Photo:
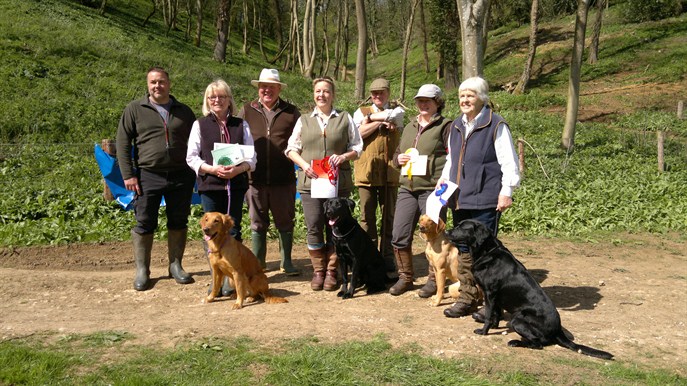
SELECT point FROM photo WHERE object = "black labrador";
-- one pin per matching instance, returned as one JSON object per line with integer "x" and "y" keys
{"x": 507, "y": 285}
{"x": 355, "y": 250}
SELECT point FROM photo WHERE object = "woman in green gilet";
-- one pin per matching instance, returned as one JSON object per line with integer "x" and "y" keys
{"x": 326, "y": 132}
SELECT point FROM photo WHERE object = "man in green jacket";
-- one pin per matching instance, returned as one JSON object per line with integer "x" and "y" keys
{"x": 151, "y": 151}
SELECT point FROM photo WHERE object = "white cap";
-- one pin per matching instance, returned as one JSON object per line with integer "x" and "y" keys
{"x": 429, "y": 91}
{"x": 268, "y": 75}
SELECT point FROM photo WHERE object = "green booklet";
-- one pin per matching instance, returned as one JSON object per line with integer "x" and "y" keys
{"x": 228, "y": 155}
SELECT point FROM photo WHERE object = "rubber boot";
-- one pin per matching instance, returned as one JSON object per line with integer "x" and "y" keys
{"x": 176, "y": 243}
{"x": 404, "y": 261}
{"x": 317, "y": 257}
{"x": 331, "y": 280}
{"x": 430, "y": 288}
{"x": 285, "y": 247}
{"x": 143, "y": 246}
{"x": 258, "y": 242}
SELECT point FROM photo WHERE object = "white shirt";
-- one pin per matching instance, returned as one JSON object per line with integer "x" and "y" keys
{"x": 193, "y": 151}
{"x": 505, "y": 155}
{"x": 355, "y": 141}
{"x": 395, "y": 115}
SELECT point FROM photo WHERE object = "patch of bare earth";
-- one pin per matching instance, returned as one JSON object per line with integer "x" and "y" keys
{"x": 626, "y": 297}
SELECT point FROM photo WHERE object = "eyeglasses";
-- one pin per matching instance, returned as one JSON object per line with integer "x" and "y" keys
{"x": 217, "y": 97}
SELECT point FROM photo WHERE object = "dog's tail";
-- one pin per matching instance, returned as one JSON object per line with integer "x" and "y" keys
{"x": 563, "y": 341}
{"x": 273, "y": 299}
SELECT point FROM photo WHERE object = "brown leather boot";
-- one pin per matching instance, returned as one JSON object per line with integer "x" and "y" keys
{"x": 430, "y": 288}
{"x": 317, "y": 257}
{"x": 460, "y": 309}
{"x": 331, "y": 280}
{"x": 404, "y": 262}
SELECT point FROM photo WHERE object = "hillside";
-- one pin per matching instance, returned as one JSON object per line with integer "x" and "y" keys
{"x": 71, "y": 70}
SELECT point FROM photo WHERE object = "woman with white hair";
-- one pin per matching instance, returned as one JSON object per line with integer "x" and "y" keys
{"x": 482, "y": 161}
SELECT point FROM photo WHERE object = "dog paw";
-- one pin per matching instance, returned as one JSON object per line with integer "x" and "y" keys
{"x": 347, "y": 296}
{"x": 434, "y": 301}
{"x": 236, "y": 306}
{"x": 514, "y": 343}
{"x": 480, "y": 331}
{"x": 209, "y": 299}
{"x": 340, "y": 294}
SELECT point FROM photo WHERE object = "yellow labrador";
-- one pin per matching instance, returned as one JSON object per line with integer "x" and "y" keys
{"x": 442, "y": 255}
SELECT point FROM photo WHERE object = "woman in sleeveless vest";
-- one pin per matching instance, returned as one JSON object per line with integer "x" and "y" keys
{"x": 326, "y": 132}
{"x": 221, "y": 187}
{"x": 482, "y": 161}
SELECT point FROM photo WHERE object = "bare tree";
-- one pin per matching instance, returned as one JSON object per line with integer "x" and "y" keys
{"x": 423, "y": 27}
{"x": 200, "y": 5}
{"x": 151, "y": 13}
{"x": 278, "y": 25}
{"x": 596, "y": 32}
{"x": 294, "y": 38}
{"x": 532, "y": 49}
{"x": 103, "y": 5}
{"x": 361, "y": 58}
{"x": 245, "y": 49}
{"x": 371, "y": 17}
{"x": 473, "y": 31}
{"x": 309, "y": 47}
{"x": 324, "y": 61}
{"x": 223, "y": 8}
{"x": 445, "y": 12}
{"x": 346, "y": 37}
{"x": 568, "y": 139}
{"x": 406, "y": 47}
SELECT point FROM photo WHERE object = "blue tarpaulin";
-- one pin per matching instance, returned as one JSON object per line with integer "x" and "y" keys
{"x": 114, "y": 180}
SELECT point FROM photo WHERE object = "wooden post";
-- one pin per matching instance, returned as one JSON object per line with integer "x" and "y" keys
{"x": 521, "y": 156}
{"x": 680, "y": 109}
{"x": 661, "y": 136}
{"x": 108, "y": 146}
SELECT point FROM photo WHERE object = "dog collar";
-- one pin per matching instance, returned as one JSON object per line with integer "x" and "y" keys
{"x": 342, "y": 236}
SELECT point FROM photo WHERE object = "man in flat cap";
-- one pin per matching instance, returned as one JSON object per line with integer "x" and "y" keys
{"x": 375, "y": 176}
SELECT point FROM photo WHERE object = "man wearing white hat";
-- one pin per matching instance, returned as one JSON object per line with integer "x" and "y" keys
{"x": 273, "y": 183}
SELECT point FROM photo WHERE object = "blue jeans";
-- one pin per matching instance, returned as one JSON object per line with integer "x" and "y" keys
{"x": 489, "y": 217}
{"x": 218, "y": 201}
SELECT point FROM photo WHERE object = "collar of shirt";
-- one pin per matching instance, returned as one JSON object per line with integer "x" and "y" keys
{"x": 469, "y": 126}
{"x": 262, "y": 105}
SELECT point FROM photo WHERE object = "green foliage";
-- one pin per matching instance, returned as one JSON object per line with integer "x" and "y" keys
{"x": 305, "y": 361}
{"x": 636, "y": 11}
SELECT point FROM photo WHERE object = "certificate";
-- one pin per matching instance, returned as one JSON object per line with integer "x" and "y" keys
{"x": 326, "y": 185}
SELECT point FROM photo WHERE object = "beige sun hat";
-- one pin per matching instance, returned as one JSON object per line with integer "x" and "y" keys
{"x": 268, "y": 75}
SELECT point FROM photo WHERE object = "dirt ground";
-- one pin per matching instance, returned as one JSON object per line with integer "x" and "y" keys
{"x": 626, "y": 296}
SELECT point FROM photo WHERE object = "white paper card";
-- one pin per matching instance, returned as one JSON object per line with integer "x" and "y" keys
{"x": 416, "y": 168}
{"x": 438, "y": 199}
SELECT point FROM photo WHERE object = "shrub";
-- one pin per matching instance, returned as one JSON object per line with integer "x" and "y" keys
{"x": 635, "y": 11}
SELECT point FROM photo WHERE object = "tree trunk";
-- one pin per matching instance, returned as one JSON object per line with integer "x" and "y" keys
{"x": 337, "y": 41}
{"x": 473, "y": 28}
{"x": 309, "y": 47}
{"x": 568, "y": 139}
{"x": 346, "y": 36}
{"x": 244, "y": 49}
{"x": 223, "y": 8}
{"x": 324, "y": 62}
{"x": 596, "y": 32}
{"x": 361, "y": 59}
{"x": 532, "y": 49}
{"x": 260, "y": 16}
{"x": 406, "y": 47}
{"x": 371, "y": 27}
{"x": 103, "y": 5}
{"x": 278, "y": 25}
{"x": 150, "y": 14}
{"x": 423, "y": 26}
{"x": 199, "y": 22}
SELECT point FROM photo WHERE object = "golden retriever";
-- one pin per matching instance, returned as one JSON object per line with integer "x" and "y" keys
{"x": 231, "y": 258}
{"x": 442, "y": 255}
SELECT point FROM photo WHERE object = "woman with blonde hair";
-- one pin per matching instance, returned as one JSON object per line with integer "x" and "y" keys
{"x": 325, "y": 133}
{"x": 221, "y": 187}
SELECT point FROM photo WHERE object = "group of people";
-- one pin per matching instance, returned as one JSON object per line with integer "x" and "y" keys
{"x": 163, "y": 150}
